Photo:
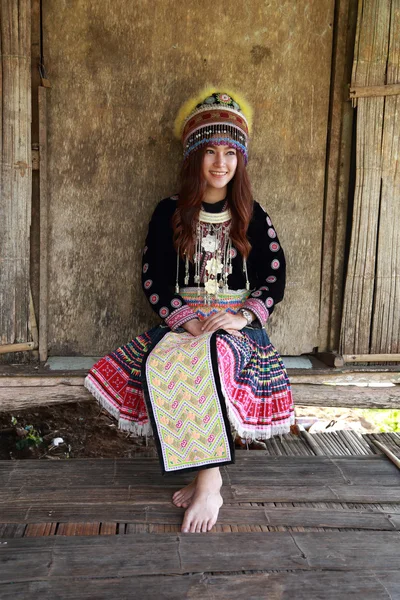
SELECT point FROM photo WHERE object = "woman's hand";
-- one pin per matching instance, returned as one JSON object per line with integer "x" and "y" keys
{"x": 193, "y": 327}
{"x": 223, "y": 320}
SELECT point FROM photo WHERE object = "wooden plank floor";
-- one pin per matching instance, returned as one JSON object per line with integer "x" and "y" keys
{"x": 293, "y": 525}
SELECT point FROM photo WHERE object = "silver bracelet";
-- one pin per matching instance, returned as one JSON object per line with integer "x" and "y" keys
{"x": 247, "y": 315}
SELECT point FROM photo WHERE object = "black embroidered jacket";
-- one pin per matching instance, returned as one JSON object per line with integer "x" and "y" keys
{"x": 266, "y": 266}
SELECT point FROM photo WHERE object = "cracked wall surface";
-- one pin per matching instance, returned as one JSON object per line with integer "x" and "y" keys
{"x": 119, "y": 72}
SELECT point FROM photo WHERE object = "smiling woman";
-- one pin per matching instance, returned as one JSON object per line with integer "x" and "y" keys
{"x": 213, "y": 271}
{"x": 219, "y": 166}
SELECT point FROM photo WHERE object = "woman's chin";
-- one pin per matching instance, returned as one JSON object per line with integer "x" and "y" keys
{"x": 218, "y": 183}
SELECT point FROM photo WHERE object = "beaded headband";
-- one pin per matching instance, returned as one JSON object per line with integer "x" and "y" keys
{"x": 214, "y": 118}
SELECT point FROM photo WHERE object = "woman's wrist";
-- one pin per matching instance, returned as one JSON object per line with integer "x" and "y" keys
{"x": 193, "y": 326}
{"x": 248, "y": 315}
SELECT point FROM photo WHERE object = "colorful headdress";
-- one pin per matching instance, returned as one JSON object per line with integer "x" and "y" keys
{"x": 214, "y": 118}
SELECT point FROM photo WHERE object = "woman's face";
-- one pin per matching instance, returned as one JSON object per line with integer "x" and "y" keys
{"x": 219, "y": 165}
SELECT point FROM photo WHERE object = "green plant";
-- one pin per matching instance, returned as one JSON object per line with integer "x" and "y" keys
{"x": 29, "y": 435}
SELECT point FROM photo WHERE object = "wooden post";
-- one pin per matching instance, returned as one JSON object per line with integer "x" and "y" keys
{"x": 337, "y": 176}
{"x": 43, "y": 293}
{"x": 15, "y": 170}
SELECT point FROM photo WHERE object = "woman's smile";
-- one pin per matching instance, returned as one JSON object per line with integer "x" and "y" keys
{"x": 219, "y": 167}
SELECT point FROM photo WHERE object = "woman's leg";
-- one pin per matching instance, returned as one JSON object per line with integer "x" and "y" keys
{"x": 202, "y": 512}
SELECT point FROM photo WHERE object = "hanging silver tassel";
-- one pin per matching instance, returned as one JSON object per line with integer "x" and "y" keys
{"x": 187, "y": 270}
{"x": 247, "y": 277}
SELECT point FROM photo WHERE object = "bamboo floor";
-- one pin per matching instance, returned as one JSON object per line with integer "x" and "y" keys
{"x": 301, "y": 519}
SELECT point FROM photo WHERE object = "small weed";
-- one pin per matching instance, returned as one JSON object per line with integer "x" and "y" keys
{"x": 29, "y": 436}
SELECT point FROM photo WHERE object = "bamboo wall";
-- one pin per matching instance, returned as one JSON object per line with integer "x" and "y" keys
{"x": 371, "y": 312}
{"x": 119, "y": 72}
{"x": 15, "y": 169}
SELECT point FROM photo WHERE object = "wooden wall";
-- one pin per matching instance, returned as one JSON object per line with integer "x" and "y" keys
{"x": 15, "y": 169}
{"x": 119, "y": 72}
{"x": 371, "y": 312}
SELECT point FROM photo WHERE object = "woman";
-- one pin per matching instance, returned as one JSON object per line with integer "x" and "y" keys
{"x": 213, "y": 270}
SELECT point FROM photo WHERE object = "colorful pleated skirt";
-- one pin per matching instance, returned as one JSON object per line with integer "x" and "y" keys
{"x": 191, "y": 393}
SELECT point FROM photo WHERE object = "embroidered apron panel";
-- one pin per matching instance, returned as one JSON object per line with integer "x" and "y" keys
{"x": 185, "y": 403}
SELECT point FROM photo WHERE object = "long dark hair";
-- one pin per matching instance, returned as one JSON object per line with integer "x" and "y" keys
{"x": 191, "y": 194}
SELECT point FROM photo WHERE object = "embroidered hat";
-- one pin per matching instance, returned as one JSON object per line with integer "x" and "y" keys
{"x": 214, "y": 118}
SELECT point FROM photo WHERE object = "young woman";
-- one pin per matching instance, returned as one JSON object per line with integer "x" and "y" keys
{"x": 213, "y": 270}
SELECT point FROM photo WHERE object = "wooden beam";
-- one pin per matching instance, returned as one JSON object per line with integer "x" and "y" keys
{"x": 25, "y": 346}
{"x": 354, "y": 358}
{"x": 372, "y": 91}
{"x": 104, "y": 556}
{"x": 395, "y": 459}
{"x": 375, "y": 585}
{"x": 18, "y": 393}
{"x": 349, "y": 396}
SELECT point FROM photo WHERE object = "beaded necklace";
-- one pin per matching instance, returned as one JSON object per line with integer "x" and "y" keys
{"x": 213, "y": 255}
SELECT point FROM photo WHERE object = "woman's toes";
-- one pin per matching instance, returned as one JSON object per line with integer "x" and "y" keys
{"x": 185, "y": 525}
{"x": 204, "y": 526}
{"x": 193, "y": 527}
{"x": 210, "y": 525}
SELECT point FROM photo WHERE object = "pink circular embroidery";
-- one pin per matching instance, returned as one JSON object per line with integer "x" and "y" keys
{"x": 163, "y": 312}
{"x": 145, "y": 267}
{"x": 275, "y": 264}
{"x": 269, "y": 221}
{"x": 145, "y": 249}
{"x": 256, "y": 294}
{"x": 271, "y": 232}
{"x": 147, "y": 284}
{"x": 274, "y": 246}
{"x": 233, "y": 252}
{"x": 176, "y": 303}
{"x": 271, "y": 279}
{"x": 264, "y": 287}
{"x": 154, "y": 298}
{"x": 269, "y": 302}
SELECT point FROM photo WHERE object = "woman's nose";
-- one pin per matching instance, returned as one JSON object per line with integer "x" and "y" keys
{"x": 219, "y": 159}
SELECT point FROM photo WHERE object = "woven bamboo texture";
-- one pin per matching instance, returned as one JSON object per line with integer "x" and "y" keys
{"x": 370, "y": 321}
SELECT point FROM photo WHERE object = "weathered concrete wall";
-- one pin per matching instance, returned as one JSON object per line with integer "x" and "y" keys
{"x": 119, "y": 72}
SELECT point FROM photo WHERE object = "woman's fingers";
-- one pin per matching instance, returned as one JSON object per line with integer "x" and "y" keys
{"x": 212, "y": 323}
{"x": 222, "y": 320}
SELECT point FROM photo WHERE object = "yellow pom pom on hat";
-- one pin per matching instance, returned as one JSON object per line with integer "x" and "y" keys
{"x": 214, "y": 118}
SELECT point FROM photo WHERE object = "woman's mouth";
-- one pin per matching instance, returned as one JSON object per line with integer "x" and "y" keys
{"x": 219, "y": 173}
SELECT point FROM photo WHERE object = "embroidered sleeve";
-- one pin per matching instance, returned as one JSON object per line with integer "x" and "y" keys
{"x": 159, "y": 269}
{"x": 271, "y": 269}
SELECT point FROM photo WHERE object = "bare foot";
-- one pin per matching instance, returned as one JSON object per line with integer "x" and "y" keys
{"x": 183, "y": 497}
{"x": 203, "y": 510}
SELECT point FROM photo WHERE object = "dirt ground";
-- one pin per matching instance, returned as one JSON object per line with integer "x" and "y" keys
{"x": 88, "y": 431}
